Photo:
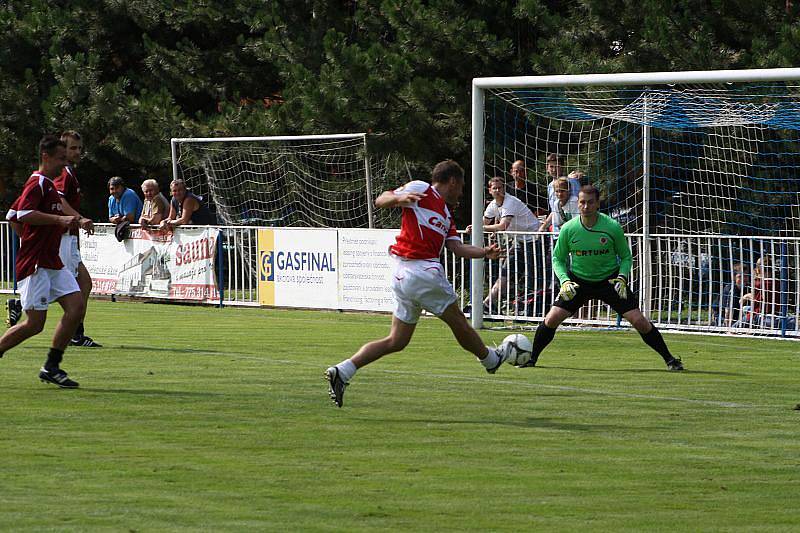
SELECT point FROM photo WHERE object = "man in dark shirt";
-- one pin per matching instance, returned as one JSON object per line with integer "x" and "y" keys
{"x": 521, "y": 189}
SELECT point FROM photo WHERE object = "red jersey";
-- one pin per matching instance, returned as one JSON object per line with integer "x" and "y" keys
{"x": 425, "y": 225}
{"x": 68, "y": 187}
{"x": 763, "y": 295}
{"x": 39, "y": 245}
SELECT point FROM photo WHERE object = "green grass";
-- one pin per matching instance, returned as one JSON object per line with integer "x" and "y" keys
{"x": 203, "y": 419}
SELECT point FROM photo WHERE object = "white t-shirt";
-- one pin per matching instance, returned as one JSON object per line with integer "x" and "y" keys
{"x": 521, "y": 218}
{"x": 564, "y": 213}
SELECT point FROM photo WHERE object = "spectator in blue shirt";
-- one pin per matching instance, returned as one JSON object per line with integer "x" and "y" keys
{"x": 123, "y": 203}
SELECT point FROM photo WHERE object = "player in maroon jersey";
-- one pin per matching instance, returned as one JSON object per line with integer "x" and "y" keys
{"x": 70, "y": 189}
{"x": 419, "y": 281}
{"x": 41, "y": 275}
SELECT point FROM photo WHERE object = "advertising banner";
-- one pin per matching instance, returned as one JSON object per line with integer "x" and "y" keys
{"x": 155, "y": 264}
{"x": 365, "y": 269}
{"x": 298, "y": 268}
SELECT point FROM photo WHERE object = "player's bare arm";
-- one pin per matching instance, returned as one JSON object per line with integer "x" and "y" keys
{"x": 84, "y": 223}
{"x": 37, "y": 218}
{"x": 392, "y": 199}
{"x": 492, "y": 251}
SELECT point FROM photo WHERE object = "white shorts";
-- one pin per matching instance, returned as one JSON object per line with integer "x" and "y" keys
{"x": 420, "y": 284}
{"x": 45, "y": 286}
{"x": 69, "y": 253}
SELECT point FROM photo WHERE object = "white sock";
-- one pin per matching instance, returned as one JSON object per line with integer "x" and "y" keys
{"x": 491, "y": 359}
{"x": 346, "y": 370}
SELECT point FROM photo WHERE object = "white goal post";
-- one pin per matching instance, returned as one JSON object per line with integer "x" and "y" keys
{"x": 679, "y": 157}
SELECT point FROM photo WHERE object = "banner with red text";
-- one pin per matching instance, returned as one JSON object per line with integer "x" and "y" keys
{"x": 154, "y": 264}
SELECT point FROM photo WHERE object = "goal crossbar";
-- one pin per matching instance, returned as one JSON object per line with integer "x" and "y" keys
{"x": 275, "y": 138}
{"x": 639, "y": 78}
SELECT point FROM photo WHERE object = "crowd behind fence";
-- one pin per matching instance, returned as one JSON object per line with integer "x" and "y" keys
{"x": 700, "y": 283}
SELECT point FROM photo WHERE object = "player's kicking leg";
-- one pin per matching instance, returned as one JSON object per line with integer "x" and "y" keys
{"x": 340, "y": 375}
{"x": 468, "y": 338}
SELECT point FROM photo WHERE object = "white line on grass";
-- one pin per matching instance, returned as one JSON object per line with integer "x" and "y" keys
{"x": 732, "y": 405}
{"x": 471, "y": 379}
{"x": 523, "y": 384}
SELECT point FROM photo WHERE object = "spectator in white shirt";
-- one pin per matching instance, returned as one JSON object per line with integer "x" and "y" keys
{"x": 523, "y": 263}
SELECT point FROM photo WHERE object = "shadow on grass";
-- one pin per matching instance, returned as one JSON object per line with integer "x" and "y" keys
{"x": 638, "y": 370}
{"x": 209, "y": 351}
{"x": 152, "y": 392}
{"x": 529, "y": 422}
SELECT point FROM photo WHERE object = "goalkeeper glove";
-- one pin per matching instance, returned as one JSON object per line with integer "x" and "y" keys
{"x": 620, "y": 284}
{"x": 568, "y": 290}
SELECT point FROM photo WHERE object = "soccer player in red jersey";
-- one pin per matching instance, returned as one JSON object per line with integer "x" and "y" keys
{"x": 70, "y": 189}
{"x": 41, "y": 275}
{"x": 419, "y": 281}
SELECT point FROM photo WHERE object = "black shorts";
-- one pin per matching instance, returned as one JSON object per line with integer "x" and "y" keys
{"x": 602, "y": 290}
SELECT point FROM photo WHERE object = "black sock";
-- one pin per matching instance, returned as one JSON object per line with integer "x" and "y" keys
{"x": 54, "y": 357}
{"x": 541, "y": 339}
{"x": 78, "y": 332}
{"x": 654, "y": 340}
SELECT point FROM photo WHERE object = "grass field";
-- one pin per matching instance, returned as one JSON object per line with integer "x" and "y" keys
{"x": 203, "y": 419}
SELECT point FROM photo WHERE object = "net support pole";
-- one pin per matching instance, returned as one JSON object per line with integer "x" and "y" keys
{"x": 14, "y": 250}
{"x": 370, "y": 213}
{"x": 646, "y": 261}
{"x": 173, "y": 145}
{"x": 476, "y": 279}
{"x": 221, "y": 268}
{"x": 784, "y": 288}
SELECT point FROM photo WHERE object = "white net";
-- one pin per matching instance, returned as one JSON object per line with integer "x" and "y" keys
{"x": 703, "y": 177}
{"x": 316, "y": 181}
{"x": 723, "y": 158}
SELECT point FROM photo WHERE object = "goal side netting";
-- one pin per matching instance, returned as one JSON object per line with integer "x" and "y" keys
{"x": 298, "y": 181}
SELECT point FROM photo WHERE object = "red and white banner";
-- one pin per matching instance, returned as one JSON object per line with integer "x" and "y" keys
{"x": 153, "y": 264}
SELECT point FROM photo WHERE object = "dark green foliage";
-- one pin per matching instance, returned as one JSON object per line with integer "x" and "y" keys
{"x": 131, "y": 74}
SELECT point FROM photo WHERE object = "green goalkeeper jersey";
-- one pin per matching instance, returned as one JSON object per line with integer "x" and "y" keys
{"x": 596, "y": 253}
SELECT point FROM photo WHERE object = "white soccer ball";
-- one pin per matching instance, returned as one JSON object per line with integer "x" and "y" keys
{"x": 519, "y": 347}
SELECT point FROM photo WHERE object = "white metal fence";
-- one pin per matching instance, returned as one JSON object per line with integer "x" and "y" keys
{"x": 704, "y": 283}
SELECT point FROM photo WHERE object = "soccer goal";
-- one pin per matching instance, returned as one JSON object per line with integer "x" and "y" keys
{"x": 309, "y": 180}
{"x": 701, "y": 169}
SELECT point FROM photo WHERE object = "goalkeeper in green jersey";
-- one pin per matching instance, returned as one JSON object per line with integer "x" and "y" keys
{"x": 592, "y": 259}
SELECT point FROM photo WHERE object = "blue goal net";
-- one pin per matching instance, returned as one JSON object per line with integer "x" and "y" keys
{"x": 718, "y": 159}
